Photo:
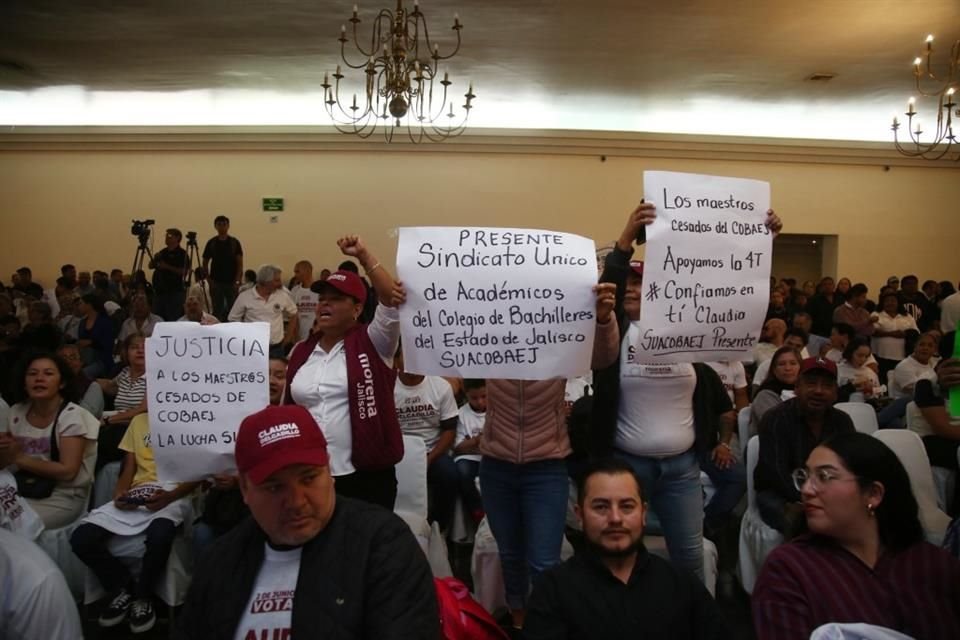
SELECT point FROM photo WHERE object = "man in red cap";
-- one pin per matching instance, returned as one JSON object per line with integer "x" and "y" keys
{"x": 308, "y": 563}
{"x": 788, "y": 433}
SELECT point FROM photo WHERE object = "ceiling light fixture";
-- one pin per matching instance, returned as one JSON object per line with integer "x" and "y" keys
{"x": 945, "y": 92}
{"x": 402, "y": 69}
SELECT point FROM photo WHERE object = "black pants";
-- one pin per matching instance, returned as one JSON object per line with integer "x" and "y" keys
{"x": 377, "y": 487}
{"x": 89, "y": 542}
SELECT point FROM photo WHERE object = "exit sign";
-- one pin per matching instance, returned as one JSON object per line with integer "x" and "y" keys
{"x": 273, "y": 204}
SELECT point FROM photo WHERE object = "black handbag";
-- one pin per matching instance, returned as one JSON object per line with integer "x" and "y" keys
{"x": 33, "y": 486}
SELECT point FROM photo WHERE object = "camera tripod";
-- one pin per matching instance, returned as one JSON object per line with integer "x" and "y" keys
{"x": 143, "y": 251}
{"x": 193, "y": 258}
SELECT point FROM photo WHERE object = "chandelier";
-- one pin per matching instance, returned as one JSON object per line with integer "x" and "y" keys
{"x": 402, "y": 85}
{"x": 944, "y": 89}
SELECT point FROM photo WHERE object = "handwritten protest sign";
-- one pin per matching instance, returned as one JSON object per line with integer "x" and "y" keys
{"x": 706, "y": 268}
{"x": 201, "y": 382}
{"x": 497, "y": 303}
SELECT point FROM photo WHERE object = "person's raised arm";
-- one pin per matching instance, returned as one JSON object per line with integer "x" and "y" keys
{"x": 380, "y": 277}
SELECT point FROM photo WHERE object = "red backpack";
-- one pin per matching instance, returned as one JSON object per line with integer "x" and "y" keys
{"x": 462, "y": 617}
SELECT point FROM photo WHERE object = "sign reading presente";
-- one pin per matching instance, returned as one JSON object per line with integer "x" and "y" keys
{"x": 497, "y": 303}
{"x": 201, "y": 382}
{"x": 706, "y": 273}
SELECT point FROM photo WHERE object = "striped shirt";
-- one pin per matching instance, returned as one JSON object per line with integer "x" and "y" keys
{"x": 130, "y": 391}
{"x": 812, "y": 581}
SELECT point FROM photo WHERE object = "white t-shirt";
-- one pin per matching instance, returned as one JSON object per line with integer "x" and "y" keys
{"x": 251, "y": 307}
{"x": 950, "y": 312}
{"x": 469, "y": 425}
{"x": 848, "y": 373}
{"x": 732, "y": 374}
{"x": 908, "y": 372}
{"x": 269, "y": 612}
{"x": 655, "y": 417}
{"x": 306, "y": 302}
{"x": 39, "y": 605}
{"x": 577, "y": 388}
{"x": 887, "y": 347}
{"x": 836, "y": 356}
{"x": 421, "y": 408}
{"x": 16, "y": 514}
{"x": 320, "y": 386}
{"x": 74, "y": 420}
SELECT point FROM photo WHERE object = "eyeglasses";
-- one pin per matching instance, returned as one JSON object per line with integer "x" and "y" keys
{"x": 819, "y": 478}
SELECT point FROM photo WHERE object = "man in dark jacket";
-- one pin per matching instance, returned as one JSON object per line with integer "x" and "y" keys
{"x": 309, "y": 563}
{"x": 614, "y": 588}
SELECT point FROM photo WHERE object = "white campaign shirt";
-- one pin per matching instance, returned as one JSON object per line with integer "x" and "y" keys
{"x": 421, "y": 408}
{"x": 908, "y": 372}
{"x": 251, "y": 307}
{"x": 576, "y": 388}
{"x": 469, "y": 425}
{"x": 306, "y": 302}
{"x": 732, "y": 374}
{"x": 320, "y": 386}
{"x": 16, "y": 514}
{"x": 269, "y": 612}
{"x": 887, "y": 347}
{"x": 655, "y": 416}
{"x": 35, "y": 603}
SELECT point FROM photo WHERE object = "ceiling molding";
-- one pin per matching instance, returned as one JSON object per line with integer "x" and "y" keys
{"x": 504, "y": 141}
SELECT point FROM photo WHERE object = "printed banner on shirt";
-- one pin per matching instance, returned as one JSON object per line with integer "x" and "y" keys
{"x": 497, "y": 303}
{"x": 706, "y": 272}
{"x": 201, "y": 382}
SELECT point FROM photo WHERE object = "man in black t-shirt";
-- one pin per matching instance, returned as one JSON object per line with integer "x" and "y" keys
{"x": 169, "y": 266}
{"x": 225, "y": 274}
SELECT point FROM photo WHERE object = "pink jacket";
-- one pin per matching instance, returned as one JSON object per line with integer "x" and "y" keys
{"x": 526, "y": 420}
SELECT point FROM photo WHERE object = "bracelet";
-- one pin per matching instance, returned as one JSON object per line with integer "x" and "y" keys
{"x": 373, "y": 268}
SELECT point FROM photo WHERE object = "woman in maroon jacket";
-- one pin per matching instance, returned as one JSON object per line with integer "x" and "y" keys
{"x": 343, "y": 374}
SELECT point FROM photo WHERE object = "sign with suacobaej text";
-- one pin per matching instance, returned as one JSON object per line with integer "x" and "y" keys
{"x": 496, "y": 302}
{"x": 201, "y": 382}
{"x": 706, "y": 274}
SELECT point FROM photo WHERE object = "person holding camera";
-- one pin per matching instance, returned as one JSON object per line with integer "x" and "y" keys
{"x": 169, "y": 267}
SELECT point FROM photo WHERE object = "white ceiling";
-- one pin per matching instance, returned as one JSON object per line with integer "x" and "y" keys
{"x": 727, "y": 67}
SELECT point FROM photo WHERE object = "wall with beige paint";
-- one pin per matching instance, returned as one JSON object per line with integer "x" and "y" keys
{"x": 76, "y": 204}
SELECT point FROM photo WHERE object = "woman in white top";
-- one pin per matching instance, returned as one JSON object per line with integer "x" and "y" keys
{"x": 853, "y": 369}
{"x": 889, "y": 337}
{"x": 43, "y": 412}
{"x": 317, "y": 374}
{"x": 919, "y": 365}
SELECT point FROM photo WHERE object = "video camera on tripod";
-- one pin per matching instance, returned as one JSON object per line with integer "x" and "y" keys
{"x": 141, "y": 229}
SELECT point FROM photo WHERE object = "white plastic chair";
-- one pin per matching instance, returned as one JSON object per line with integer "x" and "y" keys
{"x": 863, "y": 415}
{"x": 757, "y": 539}
{"x": 909, "y": 448}
{"x": 944, "y": 480}
{"x": 412, "y": 478}
{"x": 855, "y": 631}
{"x": 743, "y": 428}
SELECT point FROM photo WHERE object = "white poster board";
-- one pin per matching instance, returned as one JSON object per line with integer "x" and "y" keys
{"x": 496, "y": 302}
{"x": 706, "y": 272}
{"x": 201, "y": 382}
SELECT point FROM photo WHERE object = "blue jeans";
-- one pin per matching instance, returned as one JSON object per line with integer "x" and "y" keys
{"x": 672, "y": 488}
{"x": 467, "y": 471}
{"x": 731, "y": 485}
{"x": 526, "y": 507}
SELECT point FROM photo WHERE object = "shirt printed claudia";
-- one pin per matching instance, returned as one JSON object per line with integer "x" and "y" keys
{"x": 421, "y": 408}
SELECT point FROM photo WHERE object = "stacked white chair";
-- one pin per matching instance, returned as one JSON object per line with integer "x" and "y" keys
{"x": 757, "y": 539}
{"x": 862, "y": 414}
{"x": 944, "y": 480}
{"x": 412, "y": 504}
{"x": 909, "y": 448}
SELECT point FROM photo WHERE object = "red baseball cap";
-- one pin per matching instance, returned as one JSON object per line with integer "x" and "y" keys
{"x": 637, "y": 267}
{"x": 277, "y": 437}
{"x": 819, "y": 364}
{"x": 346, "y": 282}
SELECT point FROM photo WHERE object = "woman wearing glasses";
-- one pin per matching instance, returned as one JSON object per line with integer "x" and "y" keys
{"x": 864, "y": 559}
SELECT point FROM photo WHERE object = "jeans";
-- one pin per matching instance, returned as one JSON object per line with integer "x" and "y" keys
{"x": 891, "y": 416}
{"x": 672, "y": 488}
{"x": 467, "y": 471}
{"x": 526, "y": 507}
{"x": 222, "y": 297}
{"x": 89, "y": 543}
{"x": 203, "y": 537}
{"x": 731, "y": 485}
{"x": 442, "y": 485}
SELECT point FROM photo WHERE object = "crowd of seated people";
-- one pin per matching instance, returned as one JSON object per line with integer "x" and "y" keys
{"x": 74, "y": 377}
